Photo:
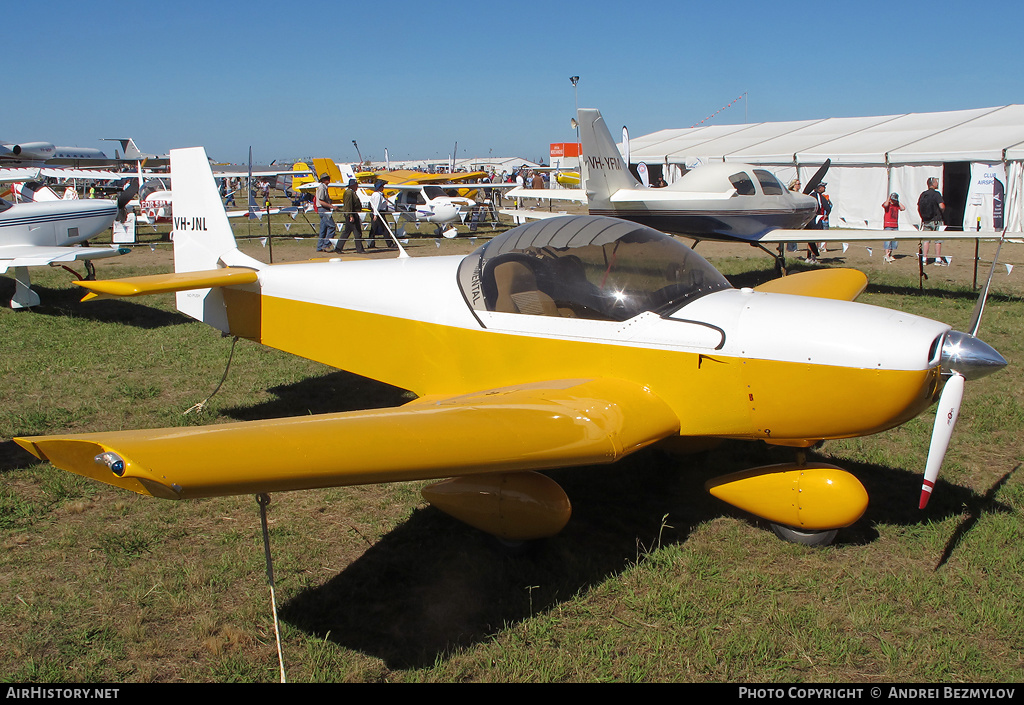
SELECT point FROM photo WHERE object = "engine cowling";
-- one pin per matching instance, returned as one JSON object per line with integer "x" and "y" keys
{"x": 33, "y": 150}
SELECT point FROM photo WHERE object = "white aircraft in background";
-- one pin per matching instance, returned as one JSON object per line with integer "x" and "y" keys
{"x": 155, "y": 201}
{"x": 48, "y": 233}
{"x": 724, "y": 201}
{"x": 428, "y": 203}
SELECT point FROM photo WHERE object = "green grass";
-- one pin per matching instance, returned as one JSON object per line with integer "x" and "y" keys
{"x": 652, "y": 580}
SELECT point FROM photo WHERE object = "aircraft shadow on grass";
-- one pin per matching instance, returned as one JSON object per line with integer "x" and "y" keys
{"x": 68, "y": 302}
{"x": 434, "y": 585}
{"x": 327, "y": 394}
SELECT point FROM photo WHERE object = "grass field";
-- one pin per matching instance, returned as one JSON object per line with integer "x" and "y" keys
{"x": 652, "y": 580}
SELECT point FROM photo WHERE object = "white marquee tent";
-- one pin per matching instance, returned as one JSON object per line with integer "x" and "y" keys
{"x": 871, "y": 157}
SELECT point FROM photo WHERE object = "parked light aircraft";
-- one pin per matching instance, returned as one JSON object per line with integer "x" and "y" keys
{"x": 48, "y": 233}
{"x": 420, "y": 203}
{"x": 155, "y": 201}
{"x": 424, "y": 203}
{"x": 568, "y": 341}
{"x": 721, "y": 201}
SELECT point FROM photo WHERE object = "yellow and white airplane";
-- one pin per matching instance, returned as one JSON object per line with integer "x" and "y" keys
{"x": 568, "y": 341}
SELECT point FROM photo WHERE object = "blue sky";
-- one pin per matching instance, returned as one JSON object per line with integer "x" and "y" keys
{"x": 417, "y": 77}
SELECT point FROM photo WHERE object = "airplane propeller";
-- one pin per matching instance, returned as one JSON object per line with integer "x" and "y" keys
{"x": 963, "y": 357}
{"x": 123, "y": 198}
{"x": 818, "y": 176}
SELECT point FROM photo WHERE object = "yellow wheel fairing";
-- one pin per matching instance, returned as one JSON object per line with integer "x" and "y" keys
{"x": 811, "y": 497}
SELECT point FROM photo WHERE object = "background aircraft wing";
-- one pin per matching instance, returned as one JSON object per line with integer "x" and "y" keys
{"x": 555, "y": 194}
{"x": 843, "y": 235}
{"x": 840, "y": 284}
{"x": 86, "y": 174}
{"x": 529, "y": 427}
{"x": 66, "y": 174}
{"x": 37, "y": 256}
{"x": 20, "y": 174}
{"x": 521, "y": 214}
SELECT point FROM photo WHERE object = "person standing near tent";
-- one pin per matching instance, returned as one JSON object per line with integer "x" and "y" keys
{"x": 824, "y": 209}
{"x": 931, "y": 207}
{"x": 891, "y": 221}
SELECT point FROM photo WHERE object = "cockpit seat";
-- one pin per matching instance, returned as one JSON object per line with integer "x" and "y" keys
{"x": 518, "y": 292}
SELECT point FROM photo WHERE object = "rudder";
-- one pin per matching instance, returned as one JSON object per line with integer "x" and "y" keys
{"x": 603, "y": 169}
{"x": 202, "y": 235}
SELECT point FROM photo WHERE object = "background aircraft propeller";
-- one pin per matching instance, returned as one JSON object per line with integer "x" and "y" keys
{"x": 818, "y": 176}
{"x": 123, "y": 198}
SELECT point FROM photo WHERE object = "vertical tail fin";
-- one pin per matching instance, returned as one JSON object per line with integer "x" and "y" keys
{"x": 202, "y": 234}
{"x": 603, "y": 169}
{"x": 298, "y": 181}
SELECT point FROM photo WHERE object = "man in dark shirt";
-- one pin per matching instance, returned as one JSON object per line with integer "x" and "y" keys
{"x": 351, "y": 207}
{"x": 931, "y": 208}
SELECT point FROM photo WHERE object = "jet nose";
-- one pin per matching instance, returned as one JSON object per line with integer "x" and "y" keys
{"x": 965, "y": 355}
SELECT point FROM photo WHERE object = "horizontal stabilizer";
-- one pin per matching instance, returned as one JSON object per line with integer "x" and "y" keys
{"x": 165, "y": 283}
{"x": 531, "y": 427}
{"x": 840, "y": 284}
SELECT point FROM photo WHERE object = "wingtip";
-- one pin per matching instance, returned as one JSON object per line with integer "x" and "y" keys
{"x": 28, "y": 445}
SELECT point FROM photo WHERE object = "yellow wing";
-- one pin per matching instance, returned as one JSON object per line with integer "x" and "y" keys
{"x": 844, "y": 284}
{"x": 530, "y": 427}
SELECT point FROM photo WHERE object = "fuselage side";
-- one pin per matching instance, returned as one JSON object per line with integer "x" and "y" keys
{"x": 55, "y": 223}
{"x": 729, "y": 363}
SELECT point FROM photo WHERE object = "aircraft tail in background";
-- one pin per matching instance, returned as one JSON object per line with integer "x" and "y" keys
{"x": 603, "y": 169}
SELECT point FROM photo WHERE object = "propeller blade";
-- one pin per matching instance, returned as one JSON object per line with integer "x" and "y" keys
{"x": 945, "y": 419}
{"x": 127, "y": 194}
{"x": 818, "y": 176}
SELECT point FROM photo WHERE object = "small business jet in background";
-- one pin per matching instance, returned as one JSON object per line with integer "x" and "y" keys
{"x": 36, "y": 154}
{"x": 563, "y": 342}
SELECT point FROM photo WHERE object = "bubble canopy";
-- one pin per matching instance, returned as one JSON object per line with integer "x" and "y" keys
{"x": 585, "y": 267}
